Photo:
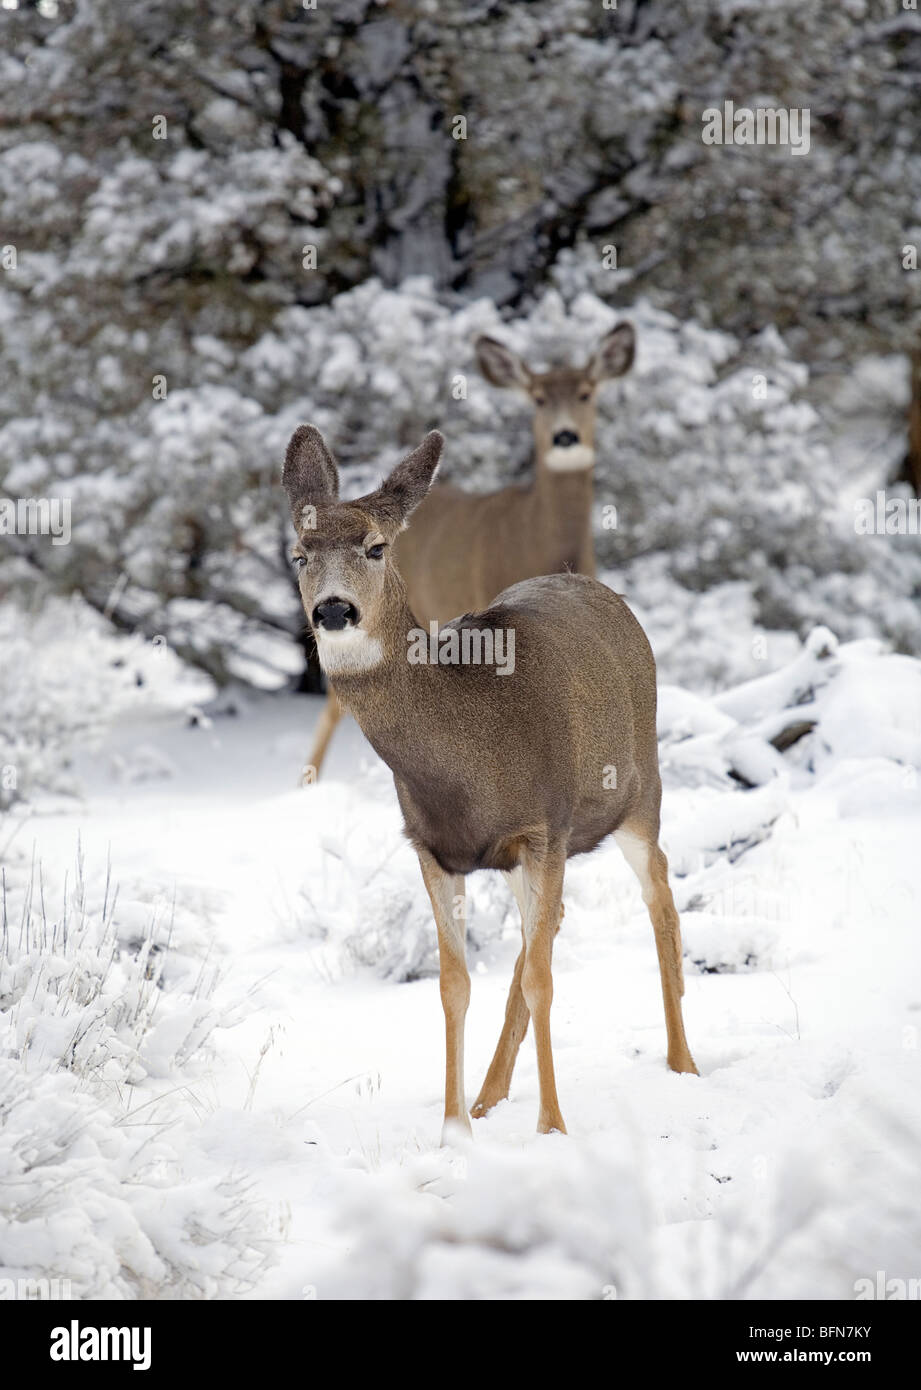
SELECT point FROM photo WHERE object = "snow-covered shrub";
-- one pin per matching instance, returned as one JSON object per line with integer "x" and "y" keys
{"x": 95, "y": 1016}
{"x": 65, "y": 677}
{"x": 844, "y": 719}
{"x": 562, "y": 1222}
{"x": 583, "y": 1219}
{"x": 107, "y": 1205}
{"x": 78, "y": 992}
{"x": 831, "y": 702}
{"x": 364, "y": 896}
{"x": 228, "y": 220}
{"x": 713, "y": 473}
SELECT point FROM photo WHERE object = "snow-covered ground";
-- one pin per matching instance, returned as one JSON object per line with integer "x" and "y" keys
{"x": 221, "y": 1060}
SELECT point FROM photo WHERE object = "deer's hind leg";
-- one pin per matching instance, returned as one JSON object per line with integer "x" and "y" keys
{"x": 499, "y": 1076}
{"x": 641, "y": 850}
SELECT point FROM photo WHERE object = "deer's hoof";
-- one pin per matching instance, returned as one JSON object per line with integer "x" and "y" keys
{"x": 551, "y": 1125}
{"x": 684, "y": 1063}
{"x": 456, "y": 1132}
{"x": 484, "y": 1103}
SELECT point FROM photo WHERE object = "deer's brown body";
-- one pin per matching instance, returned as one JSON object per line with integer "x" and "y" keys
{"x": 568, "y": 732}
{"x": 464, "y": 548}
{"x": 516, "y": 772}
{"x": 516, "y": 533}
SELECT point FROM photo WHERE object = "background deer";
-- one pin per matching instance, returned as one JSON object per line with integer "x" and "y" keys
{"x": 516, "y": 773}
{"x": 465, "y": 547}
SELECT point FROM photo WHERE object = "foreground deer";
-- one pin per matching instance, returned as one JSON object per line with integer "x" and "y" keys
{"x": 463, "y": 547}
{"x": 515, "y": 772}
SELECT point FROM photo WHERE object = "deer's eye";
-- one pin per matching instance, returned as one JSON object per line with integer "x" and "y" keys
{"x": 585, "y": 395}
{"x": 298, "y": 561}
{"x": 539, "y": 399}
{"x": 375, "y": 552}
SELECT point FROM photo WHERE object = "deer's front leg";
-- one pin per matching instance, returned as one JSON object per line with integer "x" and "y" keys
{"x": 446, "y": 892}
{"x": 329, "y": 719}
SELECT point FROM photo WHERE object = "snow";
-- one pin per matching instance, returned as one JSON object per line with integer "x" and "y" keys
{"x": 221, "y": 1037}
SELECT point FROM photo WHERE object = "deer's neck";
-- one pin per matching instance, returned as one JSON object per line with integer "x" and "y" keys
{"x": 403, "y": 703}
{"x": 563, "y": 503}
{"x": 377, "y": 692}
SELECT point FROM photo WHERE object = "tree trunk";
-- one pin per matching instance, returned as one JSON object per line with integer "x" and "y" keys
{"x": 310, "y": 681}
{"x": 913, "y": 457}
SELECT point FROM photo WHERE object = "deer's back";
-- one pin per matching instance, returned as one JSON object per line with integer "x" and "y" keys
{"x": 462, "y": 548}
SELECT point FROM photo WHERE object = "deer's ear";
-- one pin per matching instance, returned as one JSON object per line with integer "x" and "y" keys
{"x": 404, "y": 488}
{"x": 615, "y": 354}
{"x": 501, "y": 366}
{"x": 310, "y": 473}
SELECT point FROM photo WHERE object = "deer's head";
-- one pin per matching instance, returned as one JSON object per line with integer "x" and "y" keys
{"x": 344, "y": 554}
{"x": 564, "y": 399}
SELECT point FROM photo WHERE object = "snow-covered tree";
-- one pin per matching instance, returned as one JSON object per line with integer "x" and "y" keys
{"x": 220, "y": 221}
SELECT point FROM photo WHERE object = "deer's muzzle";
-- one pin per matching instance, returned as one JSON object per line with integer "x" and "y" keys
{"x": 333, "y": 614}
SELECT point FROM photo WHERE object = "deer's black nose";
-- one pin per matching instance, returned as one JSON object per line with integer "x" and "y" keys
{"x": 333, "y": 614}
{"x": 564, "y": 439}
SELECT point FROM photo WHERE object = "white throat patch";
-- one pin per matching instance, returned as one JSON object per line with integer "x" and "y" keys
{"x": 347, "y": 651}
{"x": 571, "y": 460}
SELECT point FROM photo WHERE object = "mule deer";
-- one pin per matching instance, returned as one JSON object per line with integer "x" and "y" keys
{"x": 465, "y": 547}
{"x": 516, "y": 773}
